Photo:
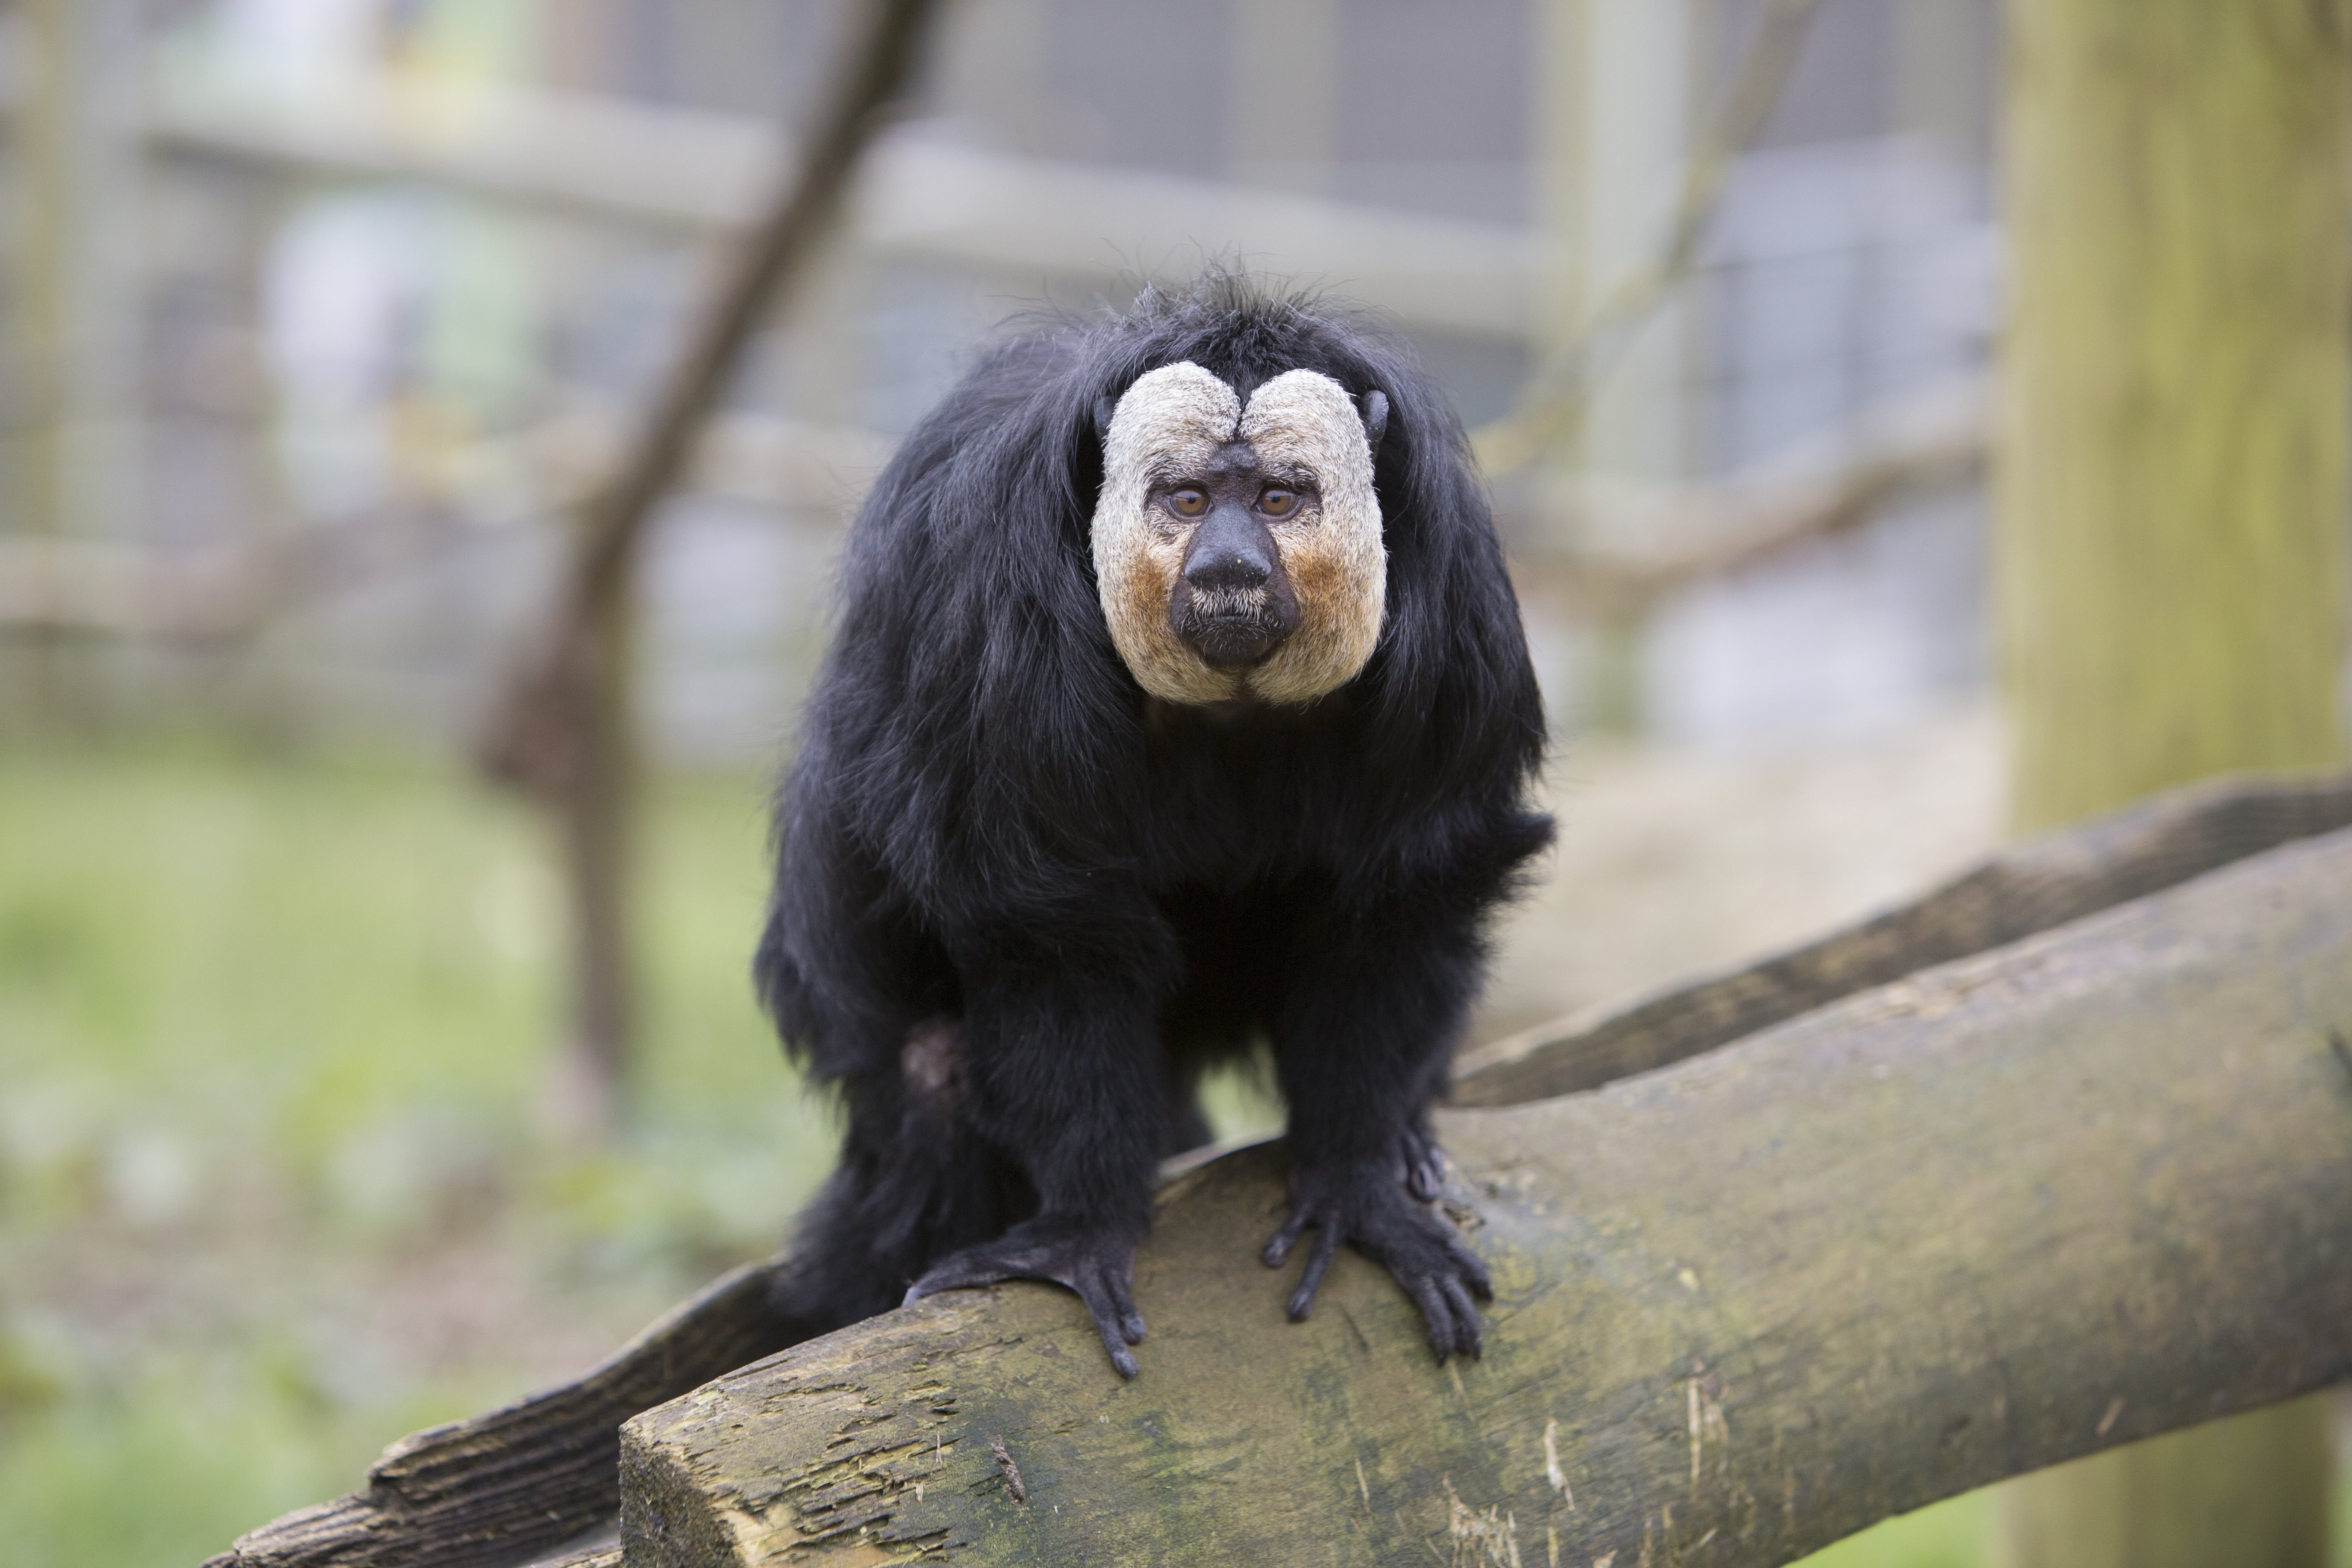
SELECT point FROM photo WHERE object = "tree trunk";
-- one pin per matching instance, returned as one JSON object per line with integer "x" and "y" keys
{"x": 561, "y": 730}
{"x": 2171, "y": 505}
{"x": 69, "y": 427}
{"x": 598, "y": 824}
{"x": 2075, "y": 1191}
{"x": 2171, "y": 491}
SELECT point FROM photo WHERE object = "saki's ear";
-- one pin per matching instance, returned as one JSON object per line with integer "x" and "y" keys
{"x": 1374, "y": 407}
{"x": 1104, "y": 409}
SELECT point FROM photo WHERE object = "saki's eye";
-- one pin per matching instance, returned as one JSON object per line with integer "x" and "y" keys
{"x": 1276, "y": 501}
{"x": 1188, "y": 501}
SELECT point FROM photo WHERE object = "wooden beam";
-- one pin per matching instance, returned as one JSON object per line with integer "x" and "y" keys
{"x": 923, "y": 195}
{"x": 1614, "y": 546}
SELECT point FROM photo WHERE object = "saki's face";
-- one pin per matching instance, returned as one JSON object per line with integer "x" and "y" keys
{"x": 1238, "y": 549}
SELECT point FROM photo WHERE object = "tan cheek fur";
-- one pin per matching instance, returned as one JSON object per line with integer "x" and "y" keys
{"x": 1337, "y": 561}
{"x": 1171, "y": 422}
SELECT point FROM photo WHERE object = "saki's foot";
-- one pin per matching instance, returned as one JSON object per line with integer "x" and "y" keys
{"x": 1096, "y": 1262}
{"x": 1360, "y": 1204}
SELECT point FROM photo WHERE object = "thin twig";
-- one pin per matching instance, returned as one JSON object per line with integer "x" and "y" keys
{"x": 1688, "y": 534}
{"x": 1012, "y": 1472}
{"x": 536, "y": 741}
{"x": 1552, "y": 406}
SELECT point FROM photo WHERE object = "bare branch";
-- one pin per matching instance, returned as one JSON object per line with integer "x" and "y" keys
{"x": 1551, "y": 407}
{"x": 539, "y": 741}
{"x": 1639, "y": 542}
{"x": 2020, "y": 891}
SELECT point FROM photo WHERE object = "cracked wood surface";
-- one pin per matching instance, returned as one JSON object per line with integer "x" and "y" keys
{"x": 2050, "y": 1199}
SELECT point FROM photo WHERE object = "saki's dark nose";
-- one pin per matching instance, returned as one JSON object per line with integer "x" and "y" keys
{"x": 1232, "y": 553}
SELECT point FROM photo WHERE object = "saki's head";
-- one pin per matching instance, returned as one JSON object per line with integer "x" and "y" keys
{"x": 1237, "y": 547}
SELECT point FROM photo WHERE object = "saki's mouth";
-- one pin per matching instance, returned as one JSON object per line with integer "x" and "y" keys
{"x": 1234, "y": 629}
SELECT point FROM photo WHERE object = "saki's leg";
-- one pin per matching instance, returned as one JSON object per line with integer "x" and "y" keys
{"x": 1065, "y": 1076}
{"x": 1367, "y": 1021}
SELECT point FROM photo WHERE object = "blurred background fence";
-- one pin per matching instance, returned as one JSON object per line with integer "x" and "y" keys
{"x": 322, "y": 309}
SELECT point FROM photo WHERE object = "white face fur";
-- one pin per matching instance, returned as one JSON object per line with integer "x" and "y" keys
{"x": 1306, "y": 432}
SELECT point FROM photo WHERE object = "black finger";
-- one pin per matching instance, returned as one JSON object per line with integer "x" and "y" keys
{"x": 956, "y": 1274}
{"x": 1122, "y": 1296}
{"x": 1473, "y": 1269}
{"x": 1433, "y": 1313}
{"x": 1318, "y": 1261}
{"x": 1100, "y": 1306}
{"x": 1425, "y": 1176}
{"x": 1278, "y": 1250}
{"x": 1466, "y": 1322}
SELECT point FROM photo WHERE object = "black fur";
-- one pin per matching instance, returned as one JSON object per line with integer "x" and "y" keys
{"x": 1019, "y": 904}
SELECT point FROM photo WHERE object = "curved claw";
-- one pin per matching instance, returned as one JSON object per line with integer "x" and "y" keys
{"x": 1318, "y": 1263}
{"x": 1096, "y": 1264}
{"x": 1278, "y": 1246}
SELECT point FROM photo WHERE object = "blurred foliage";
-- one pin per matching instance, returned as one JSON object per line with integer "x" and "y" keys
{"x": 343, "y": 971}
{"x": 168, "y": 1460}
{"x": 1949, "y": 1534}
{"x": 272, "y": 1035}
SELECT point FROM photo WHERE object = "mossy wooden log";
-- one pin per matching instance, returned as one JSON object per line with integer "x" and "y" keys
{"x": 512, "y": 1485}
{"x": 2084, "y": 1189}
{"x": 2031, "y": 888}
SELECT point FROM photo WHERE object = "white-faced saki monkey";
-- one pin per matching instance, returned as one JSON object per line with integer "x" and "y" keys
{"x": 1179, "y": 702}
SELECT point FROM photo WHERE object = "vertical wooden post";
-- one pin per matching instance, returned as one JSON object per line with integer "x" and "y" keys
{"x": 1943, "y": 58}
{"x": 2171, "y": 484}
{"x": 72, "y": 365}
{"x": 1634, "y": 92}
{"x": 597, "y": 819}
{"x": 1612, "y": 124}
{"x": 2169, "y": 503}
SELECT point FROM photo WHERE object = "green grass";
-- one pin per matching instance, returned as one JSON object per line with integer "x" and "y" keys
{"x": 319, "y": 962}
{"x": 271, "y": 1037}
{"x": 1949, "y": 1534}
{"x": 171, "y": 1457}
